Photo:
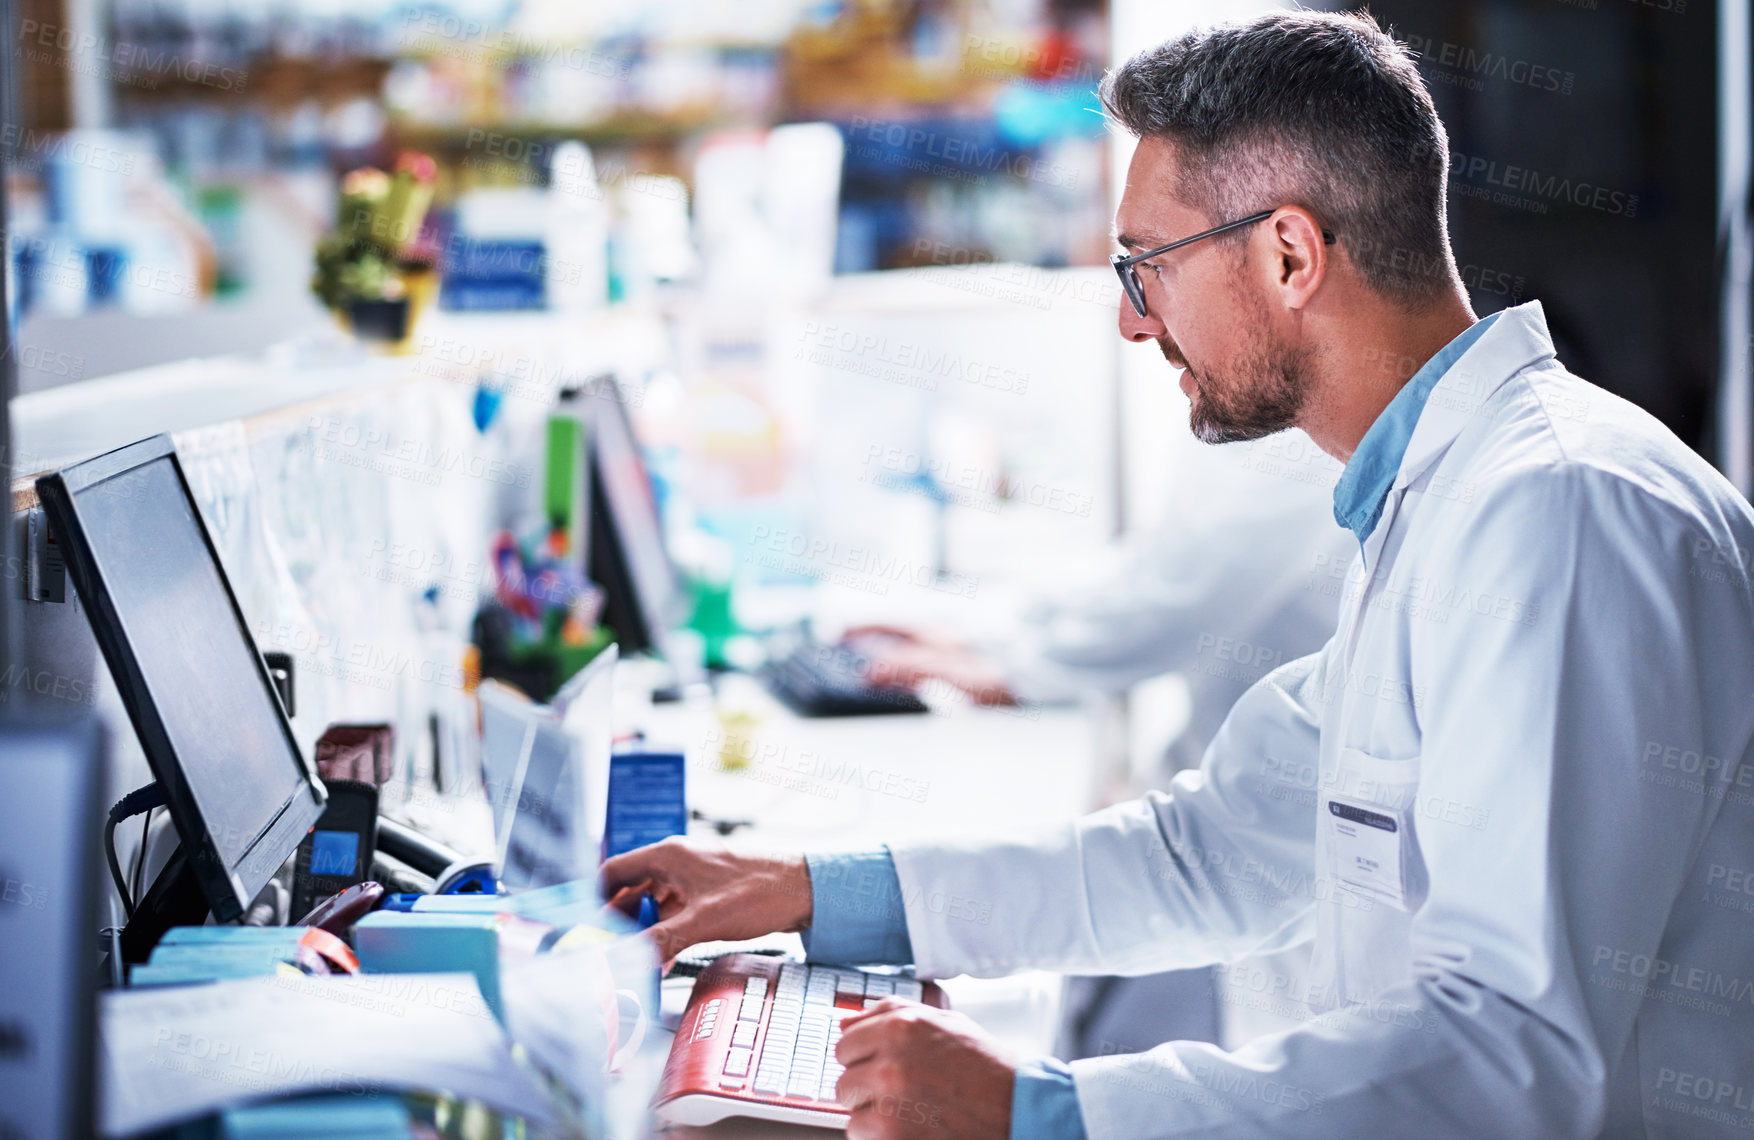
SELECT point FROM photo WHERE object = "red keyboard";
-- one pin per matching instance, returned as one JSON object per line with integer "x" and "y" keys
{"x": 758, "y": 1038}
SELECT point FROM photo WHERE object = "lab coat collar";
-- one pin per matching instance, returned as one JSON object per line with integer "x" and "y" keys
{"x": 1427, "y": 416}
{"x": 1376, "y": 462}
{"x": 1517, "y": 339}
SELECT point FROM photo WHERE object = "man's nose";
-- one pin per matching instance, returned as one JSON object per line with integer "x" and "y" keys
{"x": 1139, "y": 329}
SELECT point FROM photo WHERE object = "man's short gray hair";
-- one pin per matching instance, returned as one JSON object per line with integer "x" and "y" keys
{"x": 1322, "y": 110}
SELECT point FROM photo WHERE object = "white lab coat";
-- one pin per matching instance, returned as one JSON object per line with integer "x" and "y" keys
{"x": 1544, "y": 669}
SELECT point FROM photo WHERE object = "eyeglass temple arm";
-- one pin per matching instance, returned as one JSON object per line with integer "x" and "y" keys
{"x": 1328, "y": 238}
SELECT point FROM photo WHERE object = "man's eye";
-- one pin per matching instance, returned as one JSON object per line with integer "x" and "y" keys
{"x": 1157, "y": 269}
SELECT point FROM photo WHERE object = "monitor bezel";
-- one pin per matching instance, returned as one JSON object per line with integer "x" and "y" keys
{"x": 229, "y": 890}
{"x": 649, "y": 619}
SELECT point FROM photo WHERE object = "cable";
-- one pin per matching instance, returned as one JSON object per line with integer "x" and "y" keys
{"x": 134, "y": 803}
{"x": 139, "y": 866}
{"x": 722, "y": 826}
{"x": 115, "y": 867}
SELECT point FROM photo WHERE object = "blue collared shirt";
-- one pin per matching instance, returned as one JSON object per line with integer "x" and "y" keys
{"x": 1364, "y": 484}
{"x": 858, "y": 918}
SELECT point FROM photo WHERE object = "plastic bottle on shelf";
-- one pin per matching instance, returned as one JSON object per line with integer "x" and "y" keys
{"x": 577, "y": 237}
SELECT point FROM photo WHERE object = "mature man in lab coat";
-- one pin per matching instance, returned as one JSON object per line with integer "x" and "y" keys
{"x": 1511, "y": 800}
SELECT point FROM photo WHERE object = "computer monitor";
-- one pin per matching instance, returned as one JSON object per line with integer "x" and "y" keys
{"x": 200, "y": 698}
{"x": 644, "y": 598}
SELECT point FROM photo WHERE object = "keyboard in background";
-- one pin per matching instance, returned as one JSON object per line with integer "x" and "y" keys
{"x": 758, "y": 1038}
{"x": 829, "y": 680}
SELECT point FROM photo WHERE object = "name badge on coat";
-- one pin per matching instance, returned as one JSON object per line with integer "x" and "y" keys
{"x": 1364, "y": 850}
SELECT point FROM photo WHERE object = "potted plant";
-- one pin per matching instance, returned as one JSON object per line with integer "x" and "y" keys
{"x": 370, "y": 269}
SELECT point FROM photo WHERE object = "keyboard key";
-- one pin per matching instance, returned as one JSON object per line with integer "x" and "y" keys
{"x": 743, "y": 1034}
{"x": 909, "y": 989}
{"x": 737, "y": 1062}
{"x": 751, "y": 1009}
{"x": 755, "y": 986}
{"x": 806, "y": 1076}
{"x": 850, "y": 985}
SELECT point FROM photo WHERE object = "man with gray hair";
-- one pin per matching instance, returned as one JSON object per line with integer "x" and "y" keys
{"x": 1510, "y": 803}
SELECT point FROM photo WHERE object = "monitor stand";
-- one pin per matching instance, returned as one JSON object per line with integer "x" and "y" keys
{"x": 174, "y": 899}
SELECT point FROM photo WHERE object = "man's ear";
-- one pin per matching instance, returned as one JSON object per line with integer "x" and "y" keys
{"x": 1300, "y": 256}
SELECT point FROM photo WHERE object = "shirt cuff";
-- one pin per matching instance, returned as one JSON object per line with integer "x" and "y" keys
{"x": 857, "y": 912}
{"x": 1044, "y": 1103}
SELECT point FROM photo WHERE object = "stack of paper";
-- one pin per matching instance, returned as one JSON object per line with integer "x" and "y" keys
{"x": 175, "y": 1054}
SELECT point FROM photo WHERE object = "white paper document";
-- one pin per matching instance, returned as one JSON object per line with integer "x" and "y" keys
{"x": 177, "y": 1053}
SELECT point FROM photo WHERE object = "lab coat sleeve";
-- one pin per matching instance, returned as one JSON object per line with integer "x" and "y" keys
{"x": 1217, "y": 868}
{"x": 1595, "y": 643}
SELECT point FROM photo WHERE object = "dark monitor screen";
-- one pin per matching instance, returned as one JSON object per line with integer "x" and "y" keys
{"x": 628, "y": 556}
{"x": 188, "y": 670}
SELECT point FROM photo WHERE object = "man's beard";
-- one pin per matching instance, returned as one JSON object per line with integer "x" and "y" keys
{"x": 1261, "y": 396}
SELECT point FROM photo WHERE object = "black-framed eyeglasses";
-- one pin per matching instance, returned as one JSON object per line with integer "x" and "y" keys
{"x": 1126, "y": 268}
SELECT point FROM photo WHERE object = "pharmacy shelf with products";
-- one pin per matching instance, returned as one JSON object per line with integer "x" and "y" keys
{"x": 968, "y": 131}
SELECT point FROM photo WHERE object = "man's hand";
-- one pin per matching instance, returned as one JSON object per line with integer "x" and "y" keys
{"x": 707, "y": 893}
{"x": 912, "y": 1070}
{"x": 904, "y": 657}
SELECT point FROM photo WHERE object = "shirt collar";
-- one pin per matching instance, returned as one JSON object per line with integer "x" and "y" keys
{"x": 1364, "y": 484}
